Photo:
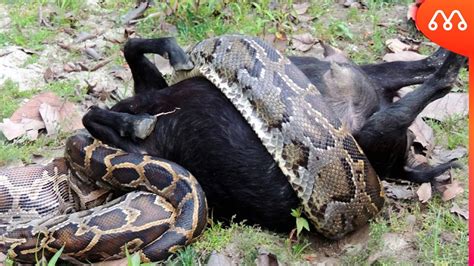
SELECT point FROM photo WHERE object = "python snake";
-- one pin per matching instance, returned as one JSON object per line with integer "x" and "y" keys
{"x": 157, "y": 206}
{"x": 338, "y": 189}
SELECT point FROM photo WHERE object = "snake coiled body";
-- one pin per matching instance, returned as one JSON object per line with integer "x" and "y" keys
{"x": 157, "y": 206}
{"x": 338, "y": 188}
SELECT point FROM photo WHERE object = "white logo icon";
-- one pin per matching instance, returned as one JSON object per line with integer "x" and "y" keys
{"x": 447, "y": 25}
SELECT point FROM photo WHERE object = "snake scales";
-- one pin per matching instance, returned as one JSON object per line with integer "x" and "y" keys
{"x": 158, "y": 206}
{"x": 338, "y": 188}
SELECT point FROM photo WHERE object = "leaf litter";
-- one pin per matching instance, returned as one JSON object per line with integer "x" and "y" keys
{"x": 43, "y": 111}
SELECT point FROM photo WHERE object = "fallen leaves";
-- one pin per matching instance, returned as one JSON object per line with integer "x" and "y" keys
{"x": 423, "y": 133}
{"x": 301, "y": 8}
{"x": 266, "y": 259}
{"x": 397, "y": 191}
{"x": 452, "y": 190}
{"x": 401, "y": 51}
{"x": 44, "y": 111}
{"x": 218, "y": 259}
{"x": 277, "y": 40}
{"x": 303, "y": 42}
{"x": 397, "y": 46}
{"x": 424, "y": 192}
{"x": 453, "y": 104}
{"x": 300, "y": 12}
{"x": 135, "y": 13}
{"x": 403, "y": 56}
{"x": 462, "y": 212}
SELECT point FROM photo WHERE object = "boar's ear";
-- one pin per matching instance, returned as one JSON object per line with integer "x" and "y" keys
{"x": 332, "y": 54}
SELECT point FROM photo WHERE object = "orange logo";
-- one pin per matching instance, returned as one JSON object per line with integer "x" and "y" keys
{"x": 449, "y": 23}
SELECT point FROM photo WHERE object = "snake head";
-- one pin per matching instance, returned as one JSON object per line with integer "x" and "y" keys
{"x": 76, "y": 147}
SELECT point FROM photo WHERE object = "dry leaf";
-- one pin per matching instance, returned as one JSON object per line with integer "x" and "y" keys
{"x": 424, "y": 192}
{"x": 303, "y": 42}
{"x": 423, "y": 133}
{"x": 218, "y": 259}
{"x": 83, "y": 36}
{"x": 100, "y": 64}
{"x": 279, "y": 44}
{"x": 266, "y": 259}
{"x": 92, "y": 53}
{"x": 120, "y": 72}
{"x": 50, "y": 116}
{"x": 452, "y": 104}
{"x": 441, "y": 155}
{"x": 441, "y": 179}
{"x": 397, "y": 191}
{"x": 300, "y": 9}
{"x": 415, "y": 159}
{"x": 352, "y": 3}
{"x": 30, "y": 109}
{"x": 12, "y": 130}
{"x": 69, "y": 118}
{"x": 71, "y": 67}
{"x": 305, "y": 18}
{"x": 396, "y": 46}
{"x": 403, "y": 56}
{"x": 452, "y": 190}
{"x": 464, "y": 213}
{"x": 170, "y": 29}
{"x": 49, "y": 75}
{"x": 135, "y": 13}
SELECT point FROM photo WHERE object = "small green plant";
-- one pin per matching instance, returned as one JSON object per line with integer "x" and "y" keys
{"x": 67, "y": 89}
{"x": 69, "y": 4}
{"x": 186, "y": 257}
{"x": 55, "y": 257}
{"x": 216, "y": 236}
{"x": 135, "y": 260}
{"x": 452, "y": 132}
{"x": 9, "y": 262}
{"x": 339, "y": 29}
{"x": 11, "y": 96}
{"x": 301, "y": 222}
{"x": 299, "y": 247}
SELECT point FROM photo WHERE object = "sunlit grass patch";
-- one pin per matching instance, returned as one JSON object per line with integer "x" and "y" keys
{"x": 11, "y": 97}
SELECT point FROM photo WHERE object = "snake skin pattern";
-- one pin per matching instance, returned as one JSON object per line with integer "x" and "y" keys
{"x": 156, "y": 207}
{"x": 338, "y": 188}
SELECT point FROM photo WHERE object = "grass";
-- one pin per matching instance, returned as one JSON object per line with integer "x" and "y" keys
{"x": 452, "y": 132}
{"x": 24, "y": 30}
{"x": 25, "y": 150}
{"x": 11, "y": 97}
{"x": 241, "y": 241}
{"x": 437, "y": 222}
{"x": 67, "y": 89}
{"x": 360, "y": 33}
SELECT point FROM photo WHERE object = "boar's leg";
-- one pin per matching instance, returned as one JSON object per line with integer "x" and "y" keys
{"x": 393, "y": 76}
{"x": 384, "y": 136}
{"x": 145, "y": 74}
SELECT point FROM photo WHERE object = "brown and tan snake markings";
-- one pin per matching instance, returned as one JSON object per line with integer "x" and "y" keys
{"x": 158, "y": 206}
{"x": 103, "y": 199}
{"x": 336, "y": 184}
